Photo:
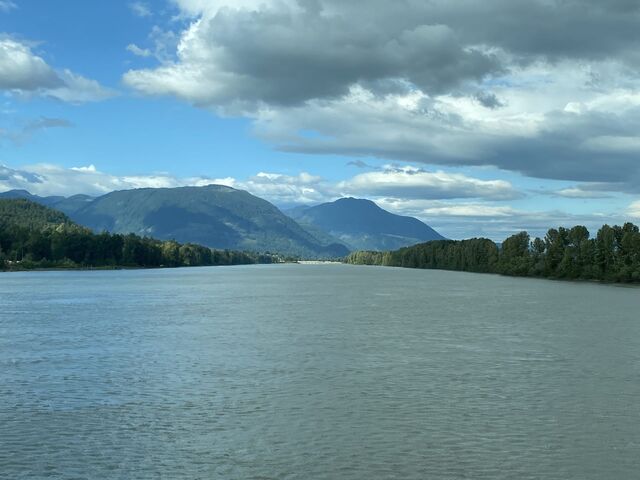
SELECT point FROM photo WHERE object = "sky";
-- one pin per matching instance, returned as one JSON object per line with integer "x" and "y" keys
{"x": 481, "y": 118}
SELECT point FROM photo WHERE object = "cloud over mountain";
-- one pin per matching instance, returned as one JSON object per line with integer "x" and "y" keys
{"x": 412, "y": 182}
{"x": 457, "y": 205}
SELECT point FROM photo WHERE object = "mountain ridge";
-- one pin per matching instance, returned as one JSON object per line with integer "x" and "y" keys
{"x": 215, "y": 216}
{"x": 363, "y": 225}
{"x": 223, "y": 217}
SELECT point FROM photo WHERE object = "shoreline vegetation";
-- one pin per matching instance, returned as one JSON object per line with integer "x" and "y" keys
{"x": 613, "y": 256}
{"x": 34, "y": 237}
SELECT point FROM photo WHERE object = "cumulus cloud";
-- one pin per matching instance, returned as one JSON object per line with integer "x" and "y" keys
{"x": 247, "y": 53}
{"x": 47, "y": 179}
{"x": 545, "y": 88}
{"x": 412, "y": 182}
{"x": 536, "y": 138}
{"x": 400, "y": 182}
{"x": 292, "y": 51}
{"x": 287, "y": 190}
{"x": 21, "y": 69}
{"x": 24, "y": 72}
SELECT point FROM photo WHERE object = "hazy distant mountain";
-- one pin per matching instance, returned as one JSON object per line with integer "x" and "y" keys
{"x": 64, "y": 204}
{"x": 216, "y": 216}
{"x": 363, "y": 225}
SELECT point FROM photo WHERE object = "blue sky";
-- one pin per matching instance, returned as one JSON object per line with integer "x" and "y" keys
{"x": 467, "y": 116}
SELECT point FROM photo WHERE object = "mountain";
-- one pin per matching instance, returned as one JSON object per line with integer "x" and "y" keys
{"x": 69, "y": 205}
{"x": 35, "y": 236}
{"x": 23, "y": 213}
{"x": 215, "y": 216}
{"x": 64, "y": 204}
{"x": 363, "y": 225}
{"x": 12, "y": 194}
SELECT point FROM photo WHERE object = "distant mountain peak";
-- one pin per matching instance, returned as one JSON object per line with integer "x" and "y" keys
{"x": 360, "y": 203}
{"x": 362, "y": 224}
{"x": 16, "y": 193}
{"x": 356, "y": 201}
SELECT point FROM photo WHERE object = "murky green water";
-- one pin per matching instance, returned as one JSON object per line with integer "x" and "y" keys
{"x": 332, "y": 372}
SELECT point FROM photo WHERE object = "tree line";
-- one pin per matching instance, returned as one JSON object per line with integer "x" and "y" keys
{"x": 32, "y": 236}
{"x": 564, "y": 253}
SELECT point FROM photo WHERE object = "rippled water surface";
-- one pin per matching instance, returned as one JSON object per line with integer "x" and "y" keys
{"x": 316, "y": 372}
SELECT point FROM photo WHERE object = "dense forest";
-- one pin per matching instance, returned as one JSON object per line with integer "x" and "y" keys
{"x": 34, "y": 236}
{"x": 564, "y": 253}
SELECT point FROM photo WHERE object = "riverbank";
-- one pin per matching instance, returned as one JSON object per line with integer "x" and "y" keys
{"x": 319, "y": 262}
{"x": 62, "y": 268}
{"x": 613, "y": 256}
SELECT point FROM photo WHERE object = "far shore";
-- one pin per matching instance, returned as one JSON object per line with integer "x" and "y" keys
{"x": 319, "y": 262}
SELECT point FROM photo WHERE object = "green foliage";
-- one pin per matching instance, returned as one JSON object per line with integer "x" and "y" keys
{"x": 514, "y": 257}
{"x": 475, "y": 255}
{"x": 30, "y": 215}
{"x": 613, "y": 256}
{"x": 34, "y": 236}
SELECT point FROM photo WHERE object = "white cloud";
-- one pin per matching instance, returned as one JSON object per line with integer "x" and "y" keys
{"x": 78, "y": 89}
{"x": 431, "y": 82}
{"x": 88, "y": 169}
{"x": 285, "y": 190}
{"x": 10, "y": 178}
{"x": 412, "y": 182}
{"x": 47, "y": 179}
{"x": 471, "y": 219}
{"x": 21, "y": 69}
{"x": 404, "y": 182}
{"x": 580, "y": 192}
{"x": 25, "y": 73}
{"x": 634, "y": 209}
{"x": 470, "y": 210}
{"x": 137, "y": 51}
{"x": 141, "y": 9}
{"x": 425, "y": 208}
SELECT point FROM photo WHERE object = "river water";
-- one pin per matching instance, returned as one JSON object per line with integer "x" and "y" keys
{"x": 316, "y": 372}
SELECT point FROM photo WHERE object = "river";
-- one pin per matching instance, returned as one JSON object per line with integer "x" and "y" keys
{"x": 316, "y": 372}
